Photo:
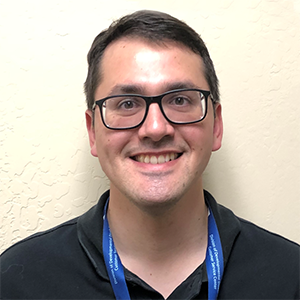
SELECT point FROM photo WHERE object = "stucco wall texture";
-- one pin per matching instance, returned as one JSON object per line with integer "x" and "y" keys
{"x": 47, "y": 172}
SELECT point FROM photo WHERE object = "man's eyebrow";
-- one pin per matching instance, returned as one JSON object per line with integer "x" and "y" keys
{"x": 180, "y": 85}
{"x": 126, "y": 89}
{"x": 140, "y": 89}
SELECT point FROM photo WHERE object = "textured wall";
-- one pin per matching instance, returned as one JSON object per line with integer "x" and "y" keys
{"x": 47, "y": 173}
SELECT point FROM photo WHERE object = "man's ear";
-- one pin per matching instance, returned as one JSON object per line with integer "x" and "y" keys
{"x": 91, "y": 131}
{"x": 218, "y": 128}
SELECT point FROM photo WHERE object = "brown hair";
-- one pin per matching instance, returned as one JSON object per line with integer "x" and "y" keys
{"x": 156, "y": 27}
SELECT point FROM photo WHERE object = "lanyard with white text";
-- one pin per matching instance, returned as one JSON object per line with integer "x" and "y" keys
{"x": 113, "y": 263}
{"x": 214, "y": 260}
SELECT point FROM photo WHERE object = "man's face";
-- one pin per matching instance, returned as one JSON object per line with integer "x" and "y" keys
{"x": 129, "y": 157}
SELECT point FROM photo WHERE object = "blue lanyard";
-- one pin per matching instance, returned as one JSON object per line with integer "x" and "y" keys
{"x": 214, "y": 258}
{"x": 114, "y": 267}
{"x": 113, "y": 263}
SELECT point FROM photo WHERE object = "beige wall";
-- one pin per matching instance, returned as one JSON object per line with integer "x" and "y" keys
{"x": 47, "y": 172}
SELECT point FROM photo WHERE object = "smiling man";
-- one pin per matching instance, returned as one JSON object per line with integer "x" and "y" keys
{"x": 153, "y": 118}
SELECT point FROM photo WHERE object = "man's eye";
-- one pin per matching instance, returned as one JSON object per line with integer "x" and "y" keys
{"x": 179, "y": 101}
{"x": 131, "y": 104}
{"x": 128, "y": 104}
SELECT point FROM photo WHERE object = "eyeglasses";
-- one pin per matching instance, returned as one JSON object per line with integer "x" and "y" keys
{"x": 182, "y": 106}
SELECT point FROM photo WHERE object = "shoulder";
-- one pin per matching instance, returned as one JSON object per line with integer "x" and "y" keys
{"x": 63, "y": 262}
{"x": 38, "y": 266}
{"x": 42, "y": 241}
{"x": 264, "y": 239}
{"x": 57, "y": 243}
{"x": 260, "y": 240}
{"x": 259, "y": 264}
{"x": 262, "y": 265}
{"x": 238, "y": 232}
{"x": 23, "y": 261}
{"x": 40, "y": 249}
{"x": 252, "y": 241}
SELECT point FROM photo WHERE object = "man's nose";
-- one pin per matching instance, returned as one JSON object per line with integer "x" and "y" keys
{"x": 156, "y": 126}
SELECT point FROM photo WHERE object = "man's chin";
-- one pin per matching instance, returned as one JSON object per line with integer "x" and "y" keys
{"x": 155, "y": 205}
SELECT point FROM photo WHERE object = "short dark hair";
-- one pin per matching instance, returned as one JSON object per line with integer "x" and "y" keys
{"x": 153, "y": 26}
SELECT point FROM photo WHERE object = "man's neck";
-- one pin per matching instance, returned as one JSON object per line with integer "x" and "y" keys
{"x": 157, "y": 247}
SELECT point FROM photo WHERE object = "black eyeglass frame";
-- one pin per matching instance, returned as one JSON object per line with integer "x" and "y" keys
{"x": 153, "y": 99}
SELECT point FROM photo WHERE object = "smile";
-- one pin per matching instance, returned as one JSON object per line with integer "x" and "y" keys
{"x": 154, "y": 159}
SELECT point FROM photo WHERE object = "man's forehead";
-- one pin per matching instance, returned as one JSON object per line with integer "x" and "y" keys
{"x": 121, "y": 43}
{"x": 131, "y": 65}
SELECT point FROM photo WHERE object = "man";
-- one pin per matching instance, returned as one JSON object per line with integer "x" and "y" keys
{"x": 153, "y": 119}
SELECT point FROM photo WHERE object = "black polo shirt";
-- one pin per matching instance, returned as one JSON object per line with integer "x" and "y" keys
{"x": 66, "y": 262}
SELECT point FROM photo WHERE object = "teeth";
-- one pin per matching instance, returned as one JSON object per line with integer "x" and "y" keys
{"x": 167, "y": 157}
{"x": 161, "y": 159}
{"x": 152, "y": 159}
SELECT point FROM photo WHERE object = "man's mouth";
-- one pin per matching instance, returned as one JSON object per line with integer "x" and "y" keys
{"x": 156, "y": 159}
